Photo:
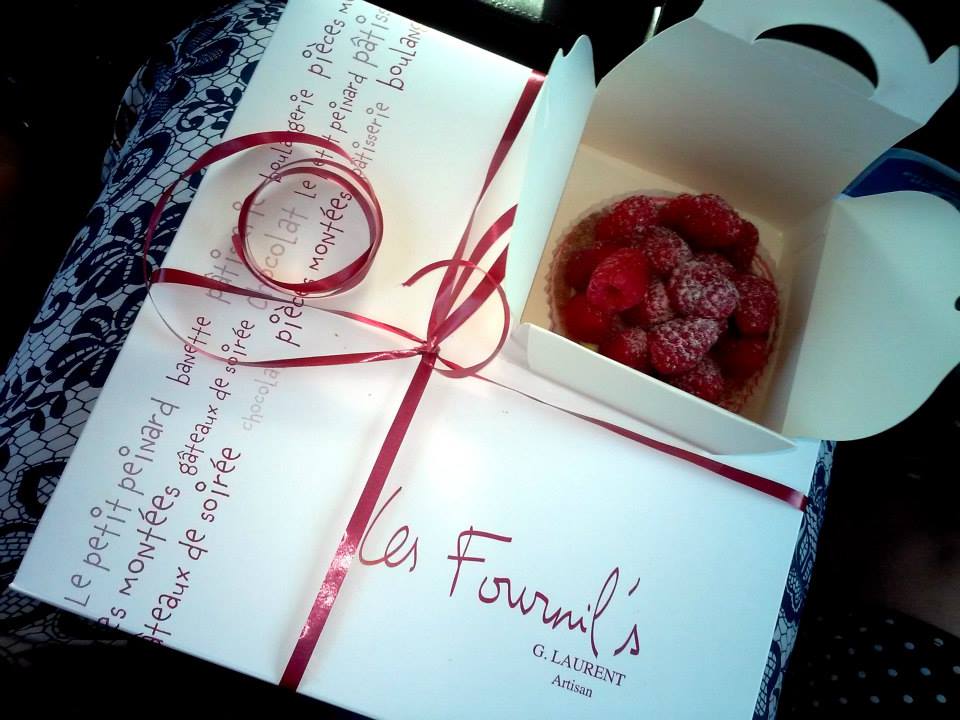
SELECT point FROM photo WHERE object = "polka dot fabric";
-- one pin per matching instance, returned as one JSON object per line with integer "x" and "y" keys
{"x": 873, "y": 663}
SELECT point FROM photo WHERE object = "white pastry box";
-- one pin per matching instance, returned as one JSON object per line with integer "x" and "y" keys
{"x": 868, "y": 285}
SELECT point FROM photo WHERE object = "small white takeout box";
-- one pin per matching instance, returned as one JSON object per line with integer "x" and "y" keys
{"x": 867, "y": 286}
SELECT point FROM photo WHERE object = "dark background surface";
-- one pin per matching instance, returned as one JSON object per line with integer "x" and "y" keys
{"x": 892, "y": 533}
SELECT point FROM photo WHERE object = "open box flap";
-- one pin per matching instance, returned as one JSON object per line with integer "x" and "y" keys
{"x": 686, "y": 417}
{"x": 878, "y": 328}
{"x": 563, "y": 106}
{"x": 694, "y": 88}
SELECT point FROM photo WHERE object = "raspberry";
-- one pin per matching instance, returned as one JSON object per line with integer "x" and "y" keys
{"x": 620, "y": 281}
{"x": 584, "y": 322}
{"x": 698, "y": 290}
{"x": 706, "y": 221}
{"x": 654, "y": 308}
{"x": 581, "y": 264}
{"x": 757, "y": 309}
{"x": 678, "y": 345}
{"x": 625, "y": 221}
{"x": 703, "y": 380}
{"x": 718, "y": 262}
{"x": 741, "y": 252}
{"x": 628, "y": 347}
{"x": 664, "y": 248}
{"x": 741, "y": 357}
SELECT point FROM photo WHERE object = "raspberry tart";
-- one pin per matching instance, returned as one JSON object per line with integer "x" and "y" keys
{"x": 672, "y": 287}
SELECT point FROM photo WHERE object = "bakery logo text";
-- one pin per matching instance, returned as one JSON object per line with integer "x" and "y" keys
{"x": 402, "y": 549}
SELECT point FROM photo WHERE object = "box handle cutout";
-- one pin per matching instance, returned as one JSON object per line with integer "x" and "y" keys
{"x": 836, "y": 44}
{"x": 907, "y": 82}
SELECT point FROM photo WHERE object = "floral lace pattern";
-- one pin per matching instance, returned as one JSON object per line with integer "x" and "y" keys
{"x": 176, "y": 106}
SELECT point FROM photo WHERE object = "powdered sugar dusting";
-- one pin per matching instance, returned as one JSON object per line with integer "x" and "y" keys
{"x": 653, "y": 309}
{"x": 665, "y": 249}
{"x": 698, "y": 289}
{"x": 704, "y": 380}
{"x": 676, "y": 346}
{"x": 625, "y": 221}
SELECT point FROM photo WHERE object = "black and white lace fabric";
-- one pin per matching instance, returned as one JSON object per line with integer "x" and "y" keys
{"x": 175, "y": 107}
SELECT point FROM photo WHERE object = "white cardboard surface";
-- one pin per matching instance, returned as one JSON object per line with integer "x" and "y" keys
{"x": 881, "y": 330}
{"x": 908, "y": 84}
{"x": 564, "y": 105}
{"x": 575, "y": 500}
{"x": 705, "y": 105}
{"x": 420, "y": 157}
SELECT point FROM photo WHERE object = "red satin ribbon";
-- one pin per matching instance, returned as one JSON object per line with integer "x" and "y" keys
{"x": 445, "y": 319}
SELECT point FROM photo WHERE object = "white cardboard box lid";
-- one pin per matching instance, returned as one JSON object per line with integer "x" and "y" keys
{"x": 684, "y": 416}
{"x": 562, "y": 111}
{"x": 722, "y": 110}
{"x": 875, "y": 322}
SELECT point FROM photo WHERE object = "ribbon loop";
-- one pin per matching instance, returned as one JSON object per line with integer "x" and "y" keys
{"x": 343, "y": 279}
{"x": 460, "y": 314}
{"x": 338, "y": 173}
